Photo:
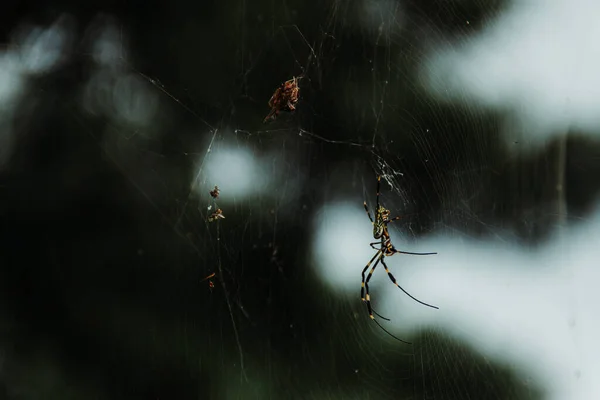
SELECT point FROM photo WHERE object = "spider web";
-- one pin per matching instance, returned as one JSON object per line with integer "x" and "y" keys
{"x": 274, "y": 323}
{"x": 301, "y": 134}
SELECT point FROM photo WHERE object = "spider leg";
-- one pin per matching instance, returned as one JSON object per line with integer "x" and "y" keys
{"x": 367, "y": 299}
{"x": 367, "y": 210}
{"x": 386, "y": 331}
{"x": 362, "y": 293}
{"x": 394, "y": 219}
{"x": 412, "y": 254}
{"x": 271, "y": 115}
{"x": 362, "y": 285}
{"x": 378, "y": 189}
{"x": 367, "y": 296}
{"x": 393, "y": 279}
{"x": 373, "y": 245}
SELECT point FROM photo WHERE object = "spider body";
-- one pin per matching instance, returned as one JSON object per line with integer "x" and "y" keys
{"x": 384, "y": 248}
{"x": 382, "y": 218}
{"x": 284, "y": 98}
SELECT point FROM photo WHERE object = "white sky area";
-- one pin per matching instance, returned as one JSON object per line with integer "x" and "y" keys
{"x": 539, "y": 62}
{"x": 32, "y": 51}
{"x": 381, "y": 17}
{"x": 236, "y": 170}
{"x": 113, "y": 89}
{"x": 536, "y": 311}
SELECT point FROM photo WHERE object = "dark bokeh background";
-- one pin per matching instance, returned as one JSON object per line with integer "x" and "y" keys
{"x": 100, "y": 286}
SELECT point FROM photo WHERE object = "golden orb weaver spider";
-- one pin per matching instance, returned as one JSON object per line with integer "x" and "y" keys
{"x": 385, "y": 249}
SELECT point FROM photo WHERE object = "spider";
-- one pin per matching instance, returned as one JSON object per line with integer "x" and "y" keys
{"x": 384, "y": 249}
{"x": 284, "y": 98}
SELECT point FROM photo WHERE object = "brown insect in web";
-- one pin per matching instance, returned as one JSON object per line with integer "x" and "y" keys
{"x": 284, "y": 98}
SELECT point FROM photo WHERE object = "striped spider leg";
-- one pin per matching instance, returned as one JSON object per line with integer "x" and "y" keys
{"x": 384, "y": 248}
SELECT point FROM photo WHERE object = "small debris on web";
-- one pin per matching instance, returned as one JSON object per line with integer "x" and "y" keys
{"x": 218, "y": 214}
{"x": 210, "y": 282}
{"x": 215, "y": 192}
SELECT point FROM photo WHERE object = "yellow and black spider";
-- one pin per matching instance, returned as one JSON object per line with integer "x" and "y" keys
{"x": 384, "y": 249}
